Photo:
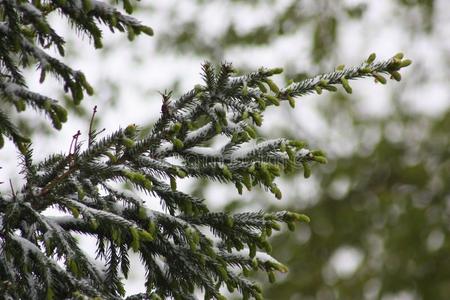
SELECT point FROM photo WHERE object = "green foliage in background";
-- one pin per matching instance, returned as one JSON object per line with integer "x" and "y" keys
{"x": 389, "y": 203}
{"x": 324, "y": 18}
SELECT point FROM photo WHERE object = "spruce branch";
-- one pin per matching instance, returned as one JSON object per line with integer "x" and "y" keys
{"x": 25, "y": 36}
{"x": 186, "y": 246}
{"x": 341, "y": 76}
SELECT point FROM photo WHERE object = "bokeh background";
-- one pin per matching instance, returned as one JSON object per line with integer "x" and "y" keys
{"x": 380, "y": 208}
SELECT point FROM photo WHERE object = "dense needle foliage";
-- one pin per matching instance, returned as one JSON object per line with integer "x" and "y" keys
{"x": 185, "y": 247}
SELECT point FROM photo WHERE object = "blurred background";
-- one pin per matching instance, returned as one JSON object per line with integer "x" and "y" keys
{"x": 380, "y": 208}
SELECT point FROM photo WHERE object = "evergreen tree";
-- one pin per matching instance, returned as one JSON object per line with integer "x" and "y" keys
{"x": 184, "y": 248}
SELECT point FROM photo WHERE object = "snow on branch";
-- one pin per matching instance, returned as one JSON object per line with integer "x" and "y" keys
{"x": 104, "y": 190}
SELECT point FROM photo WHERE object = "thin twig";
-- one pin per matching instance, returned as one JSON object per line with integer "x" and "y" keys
{"x": 58, "y": 179}
{"x": 12, "y": 189}
{"x": 73, "y": 143}
{"x": 91, "y": 133}
{"x": 70, "y": 161}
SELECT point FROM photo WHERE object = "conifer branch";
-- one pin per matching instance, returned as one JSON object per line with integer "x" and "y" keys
{"x": 25, "y": 34}
{"x": 177, "y": 253}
